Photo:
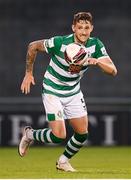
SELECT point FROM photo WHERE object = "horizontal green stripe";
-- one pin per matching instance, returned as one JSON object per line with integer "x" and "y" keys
{"x": 54, "y": 59}
{"x": 81, "y": 137}
{"x": 71, "y": 150}
{"x": 75, "y": 145}
{"x": 59, "y": 95}
{"x": 67, "y": 154}
{"x": 57, "y": 62}
{"x": 55, "y": 139}
{"x": 61, "y": 54}
{"x": 57, "y": 86}
{"x": 60, "y": 77}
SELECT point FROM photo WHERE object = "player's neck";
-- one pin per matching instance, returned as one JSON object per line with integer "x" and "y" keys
{"x": 78, "y": 41}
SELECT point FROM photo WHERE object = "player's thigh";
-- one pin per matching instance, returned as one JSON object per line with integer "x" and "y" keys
{"x": 79, "y": 125}
{"x": 75, "y": 106}
{"x": 54, "y": 114}
{"x": 53, "y": 107}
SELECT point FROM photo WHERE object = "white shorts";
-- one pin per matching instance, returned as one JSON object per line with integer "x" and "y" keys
{"x": 60, "y": 108}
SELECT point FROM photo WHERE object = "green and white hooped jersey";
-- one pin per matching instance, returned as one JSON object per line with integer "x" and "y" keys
{"x": 57, "y": 79}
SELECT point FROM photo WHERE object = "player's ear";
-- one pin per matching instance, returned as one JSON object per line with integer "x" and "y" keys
{"x": 92, "y": 27}
{"x": 73, "y": 28}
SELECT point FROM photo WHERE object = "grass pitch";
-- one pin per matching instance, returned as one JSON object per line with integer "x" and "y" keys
{"x": 91, "y": 162}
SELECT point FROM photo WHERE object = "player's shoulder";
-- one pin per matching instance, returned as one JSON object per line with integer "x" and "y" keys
{"x": 67, "y": 39}
{"x": 94, "y": 41}
{"x": 64, "y": 39}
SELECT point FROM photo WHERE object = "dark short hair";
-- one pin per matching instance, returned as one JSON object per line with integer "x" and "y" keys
{"x": 86, "y": 16}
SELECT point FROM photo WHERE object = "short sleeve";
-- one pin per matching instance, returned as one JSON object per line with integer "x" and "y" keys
{"x": 53, "y": 44}
{"x": 100, "y": 50}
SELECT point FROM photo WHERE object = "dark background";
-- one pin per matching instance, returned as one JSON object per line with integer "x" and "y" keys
{"x": 23, "y": 21}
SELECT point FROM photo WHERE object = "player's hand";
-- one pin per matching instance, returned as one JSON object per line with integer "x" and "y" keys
{"x": 27, "y": 81}
{"x": 88, "y": 61}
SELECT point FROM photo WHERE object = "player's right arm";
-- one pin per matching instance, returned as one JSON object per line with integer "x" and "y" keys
{"x": 33, "y": 48}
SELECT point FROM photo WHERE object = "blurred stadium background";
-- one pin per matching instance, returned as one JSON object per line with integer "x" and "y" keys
{"x": 108, "y": 99}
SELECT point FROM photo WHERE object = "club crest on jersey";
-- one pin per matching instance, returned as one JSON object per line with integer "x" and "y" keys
{"x": 59, "y": 114}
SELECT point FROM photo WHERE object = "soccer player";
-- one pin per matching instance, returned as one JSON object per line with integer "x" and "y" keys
{"x": 62, "y": 96}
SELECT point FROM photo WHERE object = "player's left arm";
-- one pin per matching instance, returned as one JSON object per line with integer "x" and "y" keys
{"x": 102, "y": 59}
{"x": 105, "y": 63}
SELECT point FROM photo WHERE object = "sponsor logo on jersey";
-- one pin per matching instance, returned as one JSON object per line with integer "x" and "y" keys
{"x": 103, "y": 50}
{"x": 59, "y": 114}
{"x": 49, "y": 43}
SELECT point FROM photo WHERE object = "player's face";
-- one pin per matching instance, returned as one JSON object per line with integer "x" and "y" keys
{"x": 82, "y": 30}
